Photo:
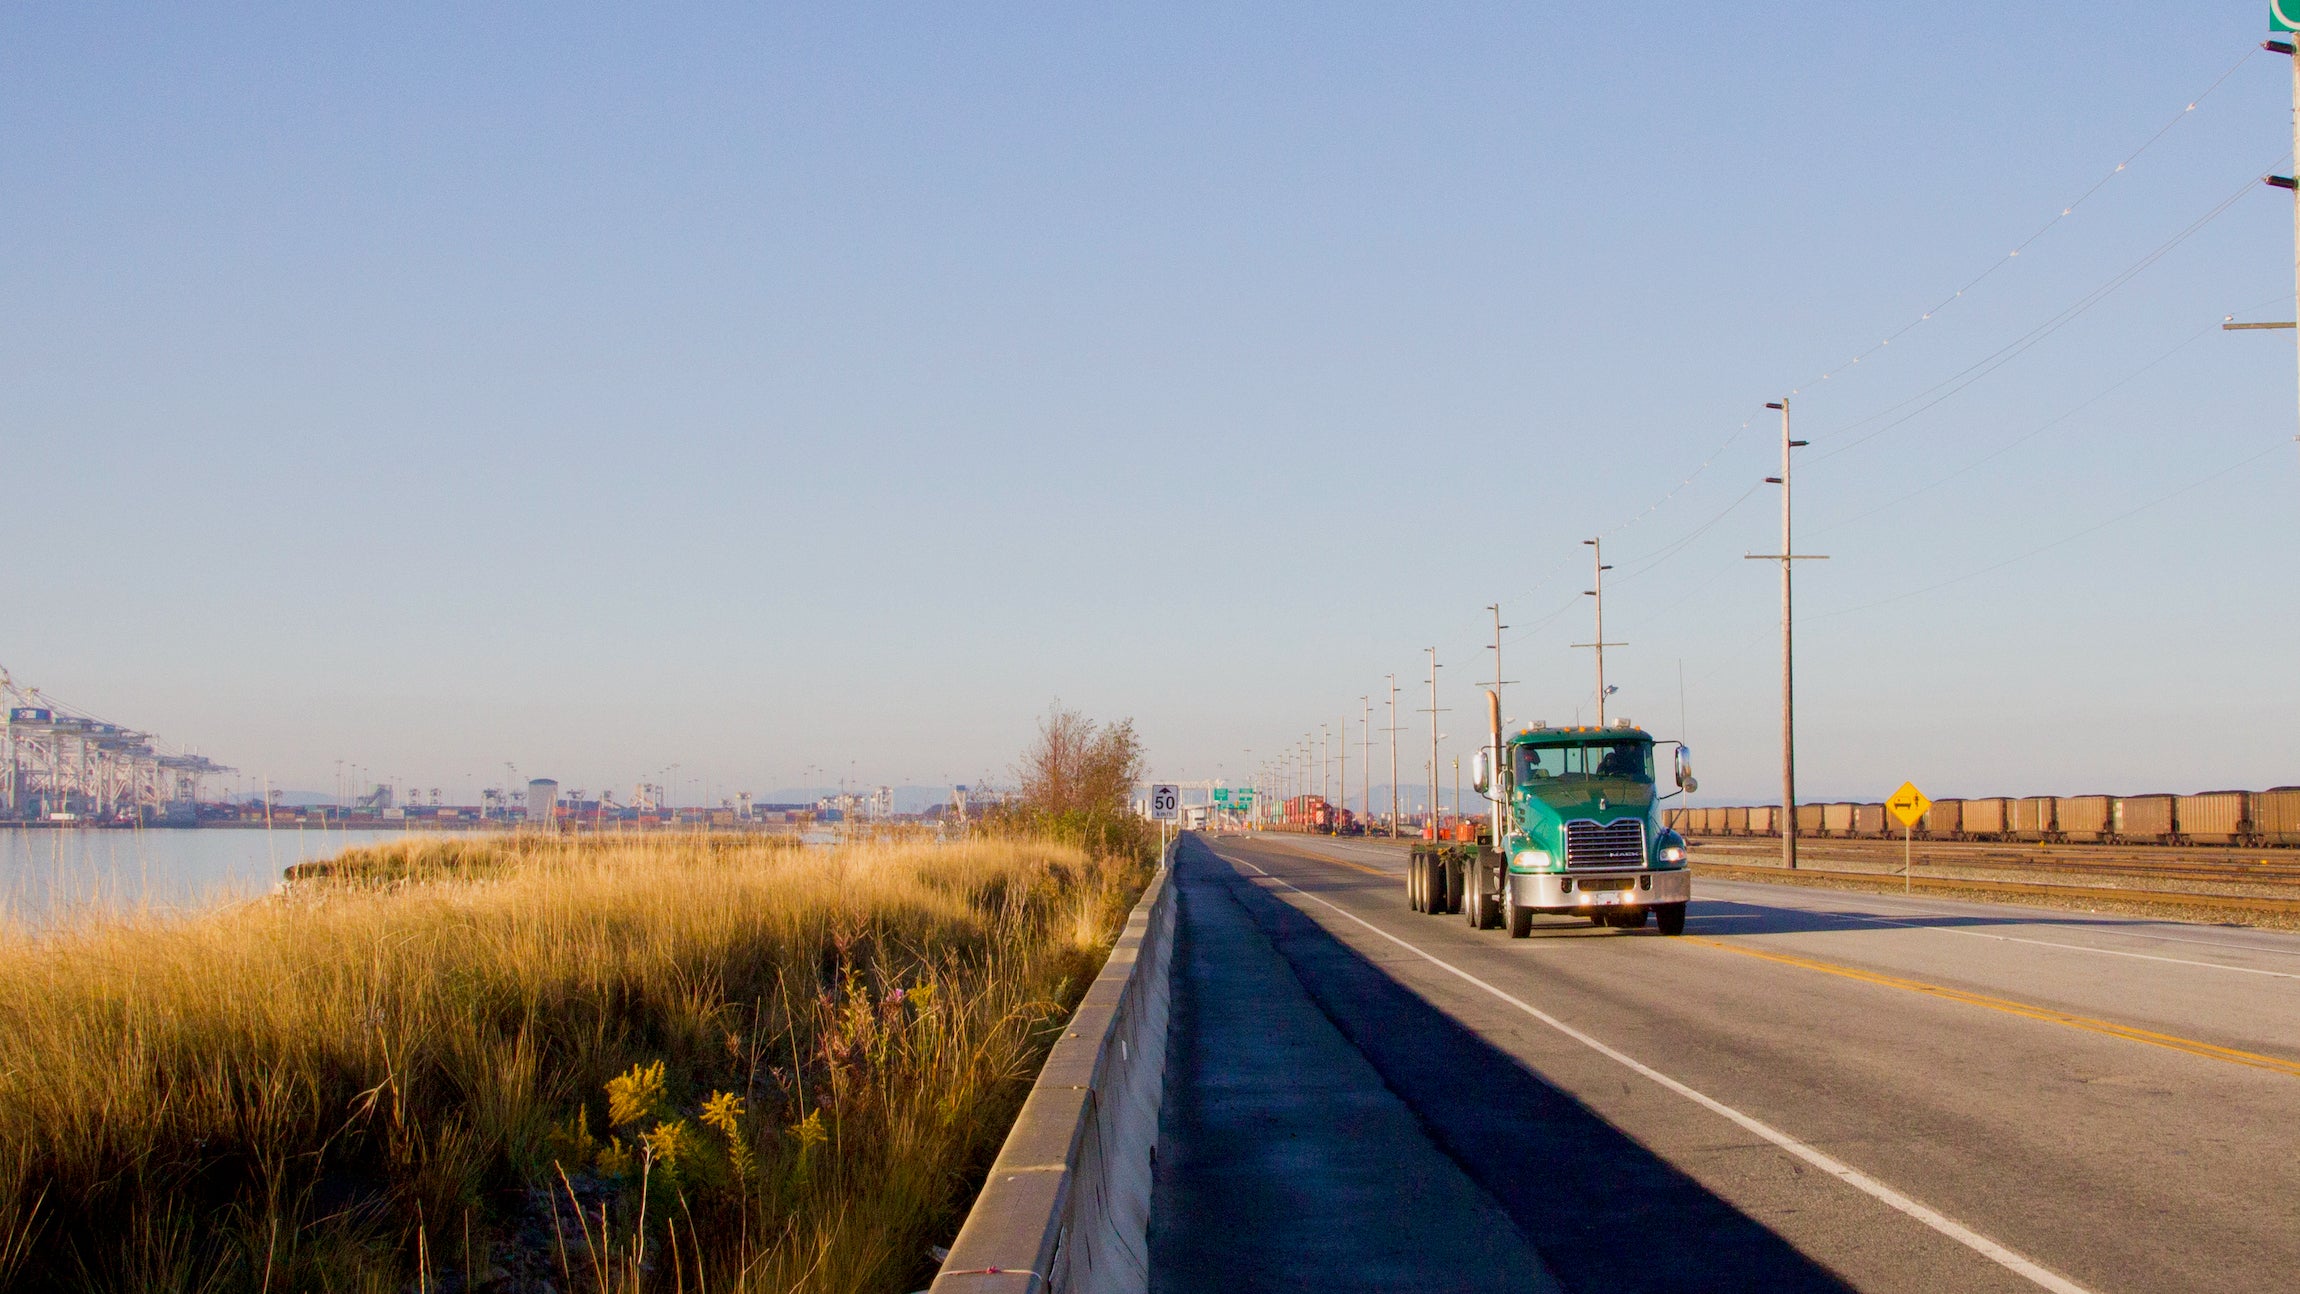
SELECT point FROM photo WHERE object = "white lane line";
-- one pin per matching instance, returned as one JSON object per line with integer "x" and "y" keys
{"x": 1975, "y": 909}
{"x": 2040, "y": 943}
{"x": 2037, "y": 1273}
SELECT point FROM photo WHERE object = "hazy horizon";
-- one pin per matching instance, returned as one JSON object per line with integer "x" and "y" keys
{"x": 801, "y": 395}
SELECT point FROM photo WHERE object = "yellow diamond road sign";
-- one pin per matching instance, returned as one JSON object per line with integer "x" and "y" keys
{"x": 1908, "y": 804}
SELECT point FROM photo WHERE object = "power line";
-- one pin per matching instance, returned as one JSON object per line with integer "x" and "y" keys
{"x": 2017, "y": 441}
{"x": 2047, "y": 226}
{"x": 2166, "y": 497}
{"x": 1958, "y": 295}
{"x": 2014, "y": 349}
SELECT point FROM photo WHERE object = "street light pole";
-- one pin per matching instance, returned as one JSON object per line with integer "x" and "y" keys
{"x": 1368, "y": 762}
{"x": 1597, "y": 556}
{"x": 1393, "y": 731}
{"x": 1498, "y": 626}
{"x": 1788, "y": 557}
{"x": 1434, "y": 712}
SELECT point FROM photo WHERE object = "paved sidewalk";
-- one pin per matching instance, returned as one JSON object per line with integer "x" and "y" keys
{"x": 1284, "y": 1162}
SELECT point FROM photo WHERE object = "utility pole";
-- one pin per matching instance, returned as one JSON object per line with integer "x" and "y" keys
{"x": 1597, "y": 556}
{"x": 1393, "y": 730}
{"x": 2276, "y": 22}
{"x": 1309, "y": 754}
{"x": 1342, "y": 771}
{"x": 1788, "y": 557}
{"x": 1498, "y": 626}
{"x": 1325, "y": 762}
{"x": 1369, "y": 760}
{"x": 1434, "y": 711}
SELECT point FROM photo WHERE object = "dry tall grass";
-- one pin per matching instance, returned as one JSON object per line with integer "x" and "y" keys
{"x": 432, "y": 1071}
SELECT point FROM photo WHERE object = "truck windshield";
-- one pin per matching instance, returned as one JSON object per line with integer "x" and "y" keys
{"x": 1631, "y": 760}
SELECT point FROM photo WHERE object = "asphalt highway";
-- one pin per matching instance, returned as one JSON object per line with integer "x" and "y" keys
{"x": 1808, "y": 1090}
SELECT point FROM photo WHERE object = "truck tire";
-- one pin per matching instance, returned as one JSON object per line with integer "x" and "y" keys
{"x": 1520, "y": 920}
{"x": 1670, "y": 917}
{"x": 1456, "y": 877}
{"x": 1414, "y": 882}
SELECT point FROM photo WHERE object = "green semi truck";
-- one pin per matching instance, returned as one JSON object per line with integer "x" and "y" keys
{"x": 1575, "y": 830}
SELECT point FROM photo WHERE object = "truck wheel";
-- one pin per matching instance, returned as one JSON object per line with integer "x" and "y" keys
{"x": 1671, "y": 918}
{"x": 1456, "y": 876}
{"x": 1520, "y": 920}
{"x": 1414, "y": 882}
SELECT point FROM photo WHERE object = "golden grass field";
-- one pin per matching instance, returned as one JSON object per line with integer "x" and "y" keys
{"x": 660, "y": 1063}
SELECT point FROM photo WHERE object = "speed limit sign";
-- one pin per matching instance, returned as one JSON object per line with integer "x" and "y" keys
{"x": 1165, "y": 801}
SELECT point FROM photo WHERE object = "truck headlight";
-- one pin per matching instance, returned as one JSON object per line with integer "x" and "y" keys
{"x": 1672, "y": 853}
{"x": 1532, "y": 859}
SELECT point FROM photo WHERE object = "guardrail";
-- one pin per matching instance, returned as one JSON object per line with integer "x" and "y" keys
{"x": 1067, "y": 1204}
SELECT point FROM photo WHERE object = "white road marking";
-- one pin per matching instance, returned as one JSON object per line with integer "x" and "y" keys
{"x": 2042, "y": 920}
{"x": 2037, "y": 1273}
{"x": 2016, "y": 939}
{"x": 2044, "y": 943}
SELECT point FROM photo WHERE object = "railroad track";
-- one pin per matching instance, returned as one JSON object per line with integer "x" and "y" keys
{"x": 2223, "y": 864}
{"x": 2223, "y": 904}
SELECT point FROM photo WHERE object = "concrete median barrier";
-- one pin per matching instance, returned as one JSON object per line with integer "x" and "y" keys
{"x": 1067, "y": 1204}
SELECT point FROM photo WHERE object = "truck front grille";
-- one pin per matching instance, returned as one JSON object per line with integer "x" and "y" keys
{"x": 1620, "y": 843}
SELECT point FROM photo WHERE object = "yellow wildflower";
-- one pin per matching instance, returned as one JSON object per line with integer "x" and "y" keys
{"x": 635, "y": 1095}
{"x": 810, "y": 1132}
{"x": 572, "y": 1140}
{"x": 666, "y": 1143}
{"x": 722, "y": 1111}
{"x": 614, "y": 1160}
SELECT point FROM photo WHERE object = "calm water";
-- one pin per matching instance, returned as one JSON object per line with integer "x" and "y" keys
{"x": 47, "y": 874}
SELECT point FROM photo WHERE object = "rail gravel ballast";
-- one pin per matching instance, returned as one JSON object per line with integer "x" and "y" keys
{"x": 1067, "y": 1204}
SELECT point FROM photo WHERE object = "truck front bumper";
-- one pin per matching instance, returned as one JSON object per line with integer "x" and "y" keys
{"x": 1584, "y": 891}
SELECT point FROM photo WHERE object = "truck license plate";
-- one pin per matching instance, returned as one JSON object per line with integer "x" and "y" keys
{"x": 1598, "y": 884}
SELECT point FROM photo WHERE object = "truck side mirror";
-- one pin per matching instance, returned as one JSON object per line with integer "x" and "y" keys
{"x": 1685, "y": 769}
{"x": 1481, "y": 771}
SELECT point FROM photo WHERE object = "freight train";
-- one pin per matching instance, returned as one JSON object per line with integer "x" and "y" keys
{"x": 2270, "y": 817}
{"x": 1314, "y": 813}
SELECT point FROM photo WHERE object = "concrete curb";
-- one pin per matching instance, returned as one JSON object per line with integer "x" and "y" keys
{"x": 1067, "y": 1204}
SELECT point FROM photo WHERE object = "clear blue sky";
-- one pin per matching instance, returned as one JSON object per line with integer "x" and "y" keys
{"x": 766, "y": 389}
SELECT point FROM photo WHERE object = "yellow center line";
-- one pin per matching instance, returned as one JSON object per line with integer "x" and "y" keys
{"x": 2172, "y": 1042}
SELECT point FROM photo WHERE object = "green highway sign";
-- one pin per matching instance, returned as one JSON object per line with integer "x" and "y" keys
{"x": 2284, "y": 15}
{"x": 1221, "y": 795}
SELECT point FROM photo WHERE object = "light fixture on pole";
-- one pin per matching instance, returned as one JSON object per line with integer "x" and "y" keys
{"x": 1597, "y": 556}
{"x": 1788, "y": 557}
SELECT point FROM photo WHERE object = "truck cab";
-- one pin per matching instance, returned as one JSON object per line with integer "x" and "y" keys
{"x": 1583, "y": 832}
